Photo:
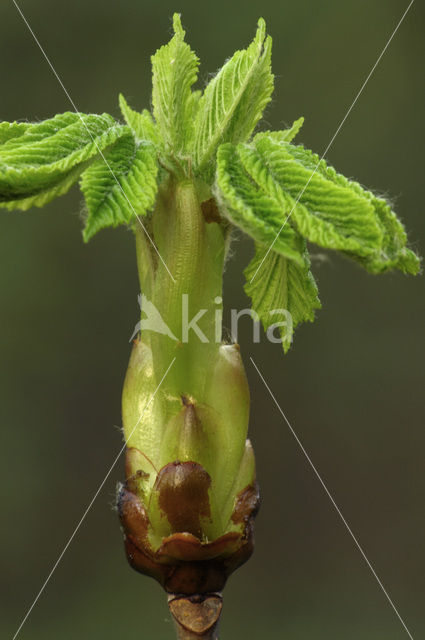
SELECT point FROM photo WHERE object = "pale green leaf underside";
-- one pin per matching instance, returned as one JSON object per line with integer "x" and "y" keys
{"x": 48, "y": 157}
{"x": 281, "y": 284}
{"x": 249, "y": 207}
{"x": 142, "y": 124}
{"x": 175, "y": 69}
{"x": 124, "y": 188}
{"x": 234, "y": 100}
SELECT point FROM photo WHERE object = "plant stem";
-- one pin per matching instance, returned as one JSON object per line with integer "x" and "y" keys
{"x": 196, "y": 617}
{"x": 193, "y": 251}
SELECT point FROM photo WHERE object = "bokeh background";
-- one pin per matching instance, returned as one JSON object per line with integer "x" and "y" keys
{"x": 352, "y": 387}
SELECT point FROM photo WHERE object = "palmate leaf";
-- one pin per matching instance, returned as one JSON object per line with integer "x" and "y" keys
{"x": 331, "y": 211}
{"x": 279, "y": 287}
{"x": 235, "y": 99}
{"x": 43, "y": 160}
{"x": 122, "y": 188}
{"x": 249, "y": 207}
{"x": 175, "y": 69}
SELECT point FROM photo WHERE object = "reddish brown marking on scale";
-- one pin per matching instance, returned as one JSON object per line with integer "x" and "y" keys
{"x": 133, "y": 517}
{"x": 183, "y": 496}
{"x": 183, "y": 564}
{"x": 210, "y": 211}
{"x": 198, "y": 614}
{"x": 185, "y": 400}
{"x": 247, "y": 504}
{"x": 185, "y": 547}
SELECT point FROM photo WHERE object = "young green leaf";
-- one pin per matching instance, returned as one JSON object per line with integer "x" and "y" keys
{"x": 235, "y": 99}
{"x": 285, "y": 135}
{"x": 44, "y": 196}
{"x": 122, "y": 189}
{"x": 332, "y": 215}
{"x": 333, "y": 211}
{"x": 280, "y": 287}
{"x": 249, "y": 207}
{"x": 9, "y": 130}
{"x": 142, "y": 124}
{"x": 48, "y": 157}
{"x": 296, "y": 189}
{"x": 393, "y": 254}
{"x": 175, "y": 69}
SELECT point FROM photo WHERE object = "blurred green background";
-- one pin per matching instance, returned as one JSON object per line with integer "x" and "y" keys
{"x": 352, "y": 387}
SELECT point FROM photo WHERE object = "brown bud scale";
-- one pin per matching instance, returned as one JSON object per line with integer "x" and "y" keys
{"x": 184, "y": 564}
